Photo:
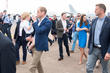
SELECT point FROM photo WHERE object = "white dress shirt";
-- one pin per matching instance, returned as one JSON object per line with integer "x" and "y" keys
{"x": 64, "y": 24}
{"x": 25, "y": 25}
{"x": 41, "y": 21}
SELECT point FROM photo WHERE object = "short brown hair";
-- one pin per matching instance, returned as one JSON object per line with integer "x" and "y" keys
{"x": 102, "y": 6}
{"x": 63, "y": 13}
{"x": 43, "y": 9}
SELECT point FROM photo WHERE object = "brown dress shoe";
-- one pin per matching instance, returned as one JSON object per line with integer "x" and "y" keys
{"x": 24, "y": 62}
{"x": 71, "y": 51}
{"x": 17, "y": 62}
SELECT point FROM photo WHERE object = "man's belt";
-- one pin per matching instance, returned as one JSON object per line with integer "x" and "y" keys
{"x": 97, "y": 46}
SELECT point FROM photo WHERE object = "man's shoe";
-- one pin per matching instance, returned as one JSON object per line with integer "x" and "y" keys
{"x": 68, "y": 54}
{"x": 60, "y": 59}
{"x": 71, "y": 51}
{"x": 17, "y": 62}
{"x": 24, "y": 62}
{"x": 51, "y": 43}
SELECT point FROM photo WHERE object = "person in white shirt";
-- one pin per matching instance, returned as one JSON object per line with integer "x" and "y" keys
{"x": 26, "y": 25}
{"x": 24, "y": 29}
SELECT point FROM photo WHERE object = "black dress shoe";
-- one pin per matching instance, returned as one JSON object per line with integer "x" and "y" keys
{"x": 60, "y": 59}
{"x": 55, "y": 38}
{"x": 69, "y": 54}
{"x": 51, "y": 42}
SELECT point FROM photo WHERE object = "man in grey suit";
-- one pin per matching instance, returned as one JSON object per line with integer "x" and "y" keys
{"x": 62, "y": 30}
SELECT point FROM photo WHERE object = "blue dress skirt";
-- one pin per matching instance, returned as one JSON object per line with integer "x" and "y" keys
{"x": 82, "y": 35}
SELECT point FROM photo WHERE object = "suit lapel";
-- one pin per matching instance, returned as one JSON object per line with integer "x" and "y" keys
{"x": 61, "y": 23}
{"x": 105, "y": 22}
{"x": 18, "y": 27}
{"x": 43, "y": 21}
{"x": 94, "y": 26}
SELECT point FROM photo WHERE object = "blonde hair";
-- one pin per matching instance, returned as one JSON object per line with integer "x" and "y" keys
{"x": 25, "y": 15}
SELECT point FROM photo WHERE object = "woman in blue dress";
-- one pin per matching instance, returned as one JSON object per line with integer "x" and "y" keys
{"x": 83, "y": 27}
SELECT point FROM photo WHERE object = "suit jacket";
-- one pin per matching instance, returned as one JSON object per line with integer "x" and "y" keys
{"x": 41, "y": 34}
{"x": 104, "y": 37}
{"x": 60, "y": 29}
{"x": 16, "y": 35}
{"x": 7, "y": 55}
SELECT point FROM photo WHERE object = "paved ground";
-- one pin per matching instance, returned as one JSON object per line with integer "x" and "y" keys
{"x": 52, "y": 65}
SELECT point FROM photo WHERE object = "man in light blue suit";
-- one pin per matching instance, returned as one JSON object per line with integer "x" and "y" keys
{"x": 42, "y": 28}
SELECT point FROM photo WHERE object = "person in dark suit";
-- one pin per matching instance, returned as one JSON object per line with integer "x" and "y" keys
{"x": 62, "y": 30}
{"x": 42, "y": 28}
{"x": 20, "y": 40}
{"x": 99, "y": 40}
{"x": 7, "y": 55}
{"x": 53, "y": 30}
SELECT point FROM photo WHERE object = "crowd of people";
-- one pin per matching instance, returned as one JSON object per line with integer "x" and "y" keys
{"x": 32, "y": 33}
